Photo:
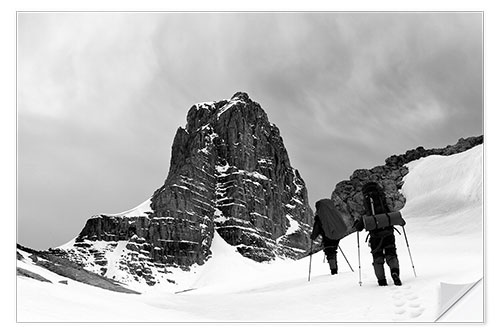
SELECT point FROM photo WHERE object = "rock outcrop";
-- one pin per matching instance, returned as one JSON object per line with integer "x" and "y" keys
{"x": 229, "y": 173}
{"x": 67, "y": 268}
{"x": 31, "y": 275}
{"x": 347, "y": 194}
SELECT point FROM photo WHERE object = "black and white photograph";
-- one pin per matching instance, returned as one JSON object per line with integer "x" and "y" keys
{"x": 250, "y": 167}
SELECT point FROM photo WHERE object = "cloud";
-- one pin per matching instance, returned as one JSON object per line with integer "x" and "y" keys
{"x": 82, "y": 64}
{"x": 406, "y": 67}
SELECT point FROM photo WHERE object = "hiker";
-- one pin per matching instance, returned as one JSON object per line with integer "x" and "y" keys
{"x": 382, "y": 241}
{"x": 330, "y": 225}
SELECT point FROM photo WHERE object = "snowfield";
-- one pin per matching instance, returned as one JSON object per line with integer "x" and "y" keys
{"x": 444, "y": 215}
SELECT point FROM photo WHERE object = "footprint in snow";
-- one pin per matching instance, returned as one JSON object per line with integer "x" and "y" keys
{"x": 399, "y": 311}
{"x": 406, "y": 303}
{"x": 399, "y": 303}
{"x": 416, "y": 313}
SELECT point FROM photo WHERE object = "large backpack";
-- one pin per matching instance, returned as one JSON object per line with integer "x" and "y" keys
{"x": 377, "y": 212}
{"x": 374, "y": 199}
{"x": 331, "y": 221}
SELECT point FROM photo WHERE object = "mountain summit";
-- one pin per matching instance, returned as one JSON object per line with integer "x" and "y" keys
{"x": 229, "y": 173}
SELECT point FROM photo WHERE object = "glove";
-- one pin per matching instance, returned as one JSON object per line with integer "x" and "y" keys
{"x": 358, "y": 225}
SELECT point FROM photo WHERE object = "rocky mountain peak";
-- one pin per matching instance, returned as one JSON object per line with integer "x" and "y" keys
{"x": 229, "y": 174}
{"x": 244, "y": 162}
{"x": 220, "y": 113}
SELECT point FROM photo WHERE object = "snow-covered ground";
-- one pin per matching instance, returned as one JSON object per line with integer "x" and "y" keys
{"x": 444, "y": 215}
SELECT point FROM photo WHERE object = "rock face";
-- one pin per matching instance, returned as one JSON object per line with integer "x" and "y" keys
{"x": 347, "y": 194}
{"x": 229, "y": 173}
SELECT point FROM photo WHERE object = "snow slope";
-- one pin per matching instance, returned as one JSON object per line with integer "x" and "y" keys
{"x": 444, "y": 215}
{"x": 140, "y": 210}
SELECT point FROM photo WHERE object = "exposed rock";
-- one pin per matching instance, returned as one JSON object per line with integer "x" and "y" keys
{"x": 230, "y": 167}
{"x": 229, "y": 173}
{"x": 30, "y": 274}
{"x": 71, "y": 270}
{"x": 414, "y": 154}
{"x": 347, "y": 194}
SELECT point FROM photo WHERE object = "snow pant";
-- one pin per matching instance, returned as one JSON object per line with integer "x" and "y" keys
{"x": 330, "y": 247}
{"x": 384, "y": 249}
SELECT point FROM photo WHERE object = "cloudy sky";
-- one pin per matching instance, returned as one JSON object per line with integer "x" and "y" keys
{"x": 100, "y": 96}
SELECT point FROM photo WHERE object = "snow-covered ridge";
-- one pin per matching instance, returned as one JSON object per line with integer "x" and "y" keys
{"x": 228, "y": 104}
{"x": 456, "y": 183}
{"x": 203, "y": 105}
{"x": 140, "y": 210}
{"x": 67, "y": 246}
{"x": 232, "y": 102}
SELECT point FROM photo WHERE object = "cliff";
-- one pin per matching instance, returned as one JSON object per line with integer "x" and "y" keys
{"x": 229, "y": 173}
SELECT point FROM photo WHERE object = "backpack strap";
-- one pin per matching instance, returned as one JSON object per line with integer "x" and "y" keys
{"x": 381, "y": 201}
{"x": 376, "y": 222}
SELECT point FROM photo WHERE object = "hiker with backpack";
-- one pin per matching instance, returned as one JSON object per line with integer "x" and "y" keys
{"x": 382, "y": 241}
{"x": 328, "y": 223}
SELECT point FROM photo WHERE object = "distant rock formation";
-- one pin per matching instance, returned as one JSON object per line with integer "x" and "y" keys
{"x": 229, "y": 173}
{"x": 347, "y": 194}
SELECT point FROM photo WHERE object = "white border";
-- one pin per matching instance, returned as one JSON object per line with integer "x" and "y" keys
{"x": 8, "y": 129}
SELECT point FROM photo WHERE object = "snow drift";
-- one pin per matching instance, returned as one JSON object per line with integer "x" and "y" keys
{"x": 444, "y": 215}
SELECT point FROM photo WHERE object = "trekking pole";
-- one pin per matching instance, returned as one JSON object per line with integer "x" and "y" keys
{"x": 359, "y": 261}
{"x": 345, "y": 258}
{"x": 408, "y": 246}
{"x": 310, "y": 261}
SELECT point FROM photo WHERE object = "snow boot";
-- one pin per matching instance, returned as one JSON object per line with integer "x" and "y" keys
{"x": 333, "y": 266}
{"x": 382, "y": 282}
{"x": 395, "y": 277}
